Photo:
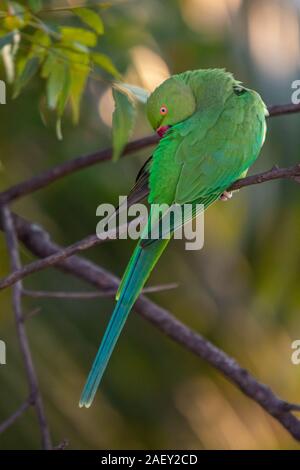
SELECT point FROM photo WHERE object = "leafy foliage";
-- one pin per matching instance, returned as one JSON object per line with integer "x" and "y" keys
{"x": 63, "y": 56}
{"x": 123, "y": 121}
{"x": 125, "y": 97}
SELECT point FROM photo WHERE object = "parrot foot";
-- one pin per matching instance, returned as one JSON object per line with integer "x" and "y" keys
{"x": 226, "y": 196}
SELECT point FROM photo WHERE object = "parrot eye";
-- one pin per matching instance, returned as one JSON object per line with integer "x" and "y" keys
{"x": 239, "y": 90}
{"x": 163, "y": 110}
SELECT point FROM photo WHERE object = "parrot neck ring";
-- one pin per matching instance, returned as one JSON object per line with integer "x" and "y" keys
{"x": 162, "y": 130}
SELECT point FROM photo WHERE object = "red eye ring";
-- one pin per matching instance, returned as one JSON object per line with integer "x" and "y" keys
{"x": 163, "y": 110}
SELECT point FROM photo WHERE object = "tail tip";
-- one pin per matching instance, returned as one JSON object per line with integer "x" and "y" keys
{"x": 83, "y": 403}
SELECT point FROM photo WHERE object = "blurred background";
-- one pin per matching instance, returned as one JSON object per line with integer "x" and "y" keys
{"x": 241, "y": 291}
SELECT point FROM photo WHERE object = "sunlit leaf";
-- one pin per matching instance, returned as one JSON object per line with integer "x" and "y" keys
{"x": 40, "y": 44}
{"x": 58, "y": 129}
{"x": 65, "y": 92}
{"x": 55, "y": 83}
{"x": 78, "y": 35}
{"x": 139, "y": 93}
{"x": 8, "y": 61}
{"x": 105, "y": 63}
{"x": 122, "y": 122}
{"x": 79, "y": 76}
{"x": 29, "y": 69}
{"x": 91, "y": 18}
{"x": 48, "y": 64}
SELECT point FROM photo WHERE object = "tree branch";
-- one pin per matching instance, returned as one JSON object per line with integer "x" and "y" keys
{"x": 280, "y": 109}
{"x": 292, "y": 172}
{"x": 67, "y": 168}
{"x": 16, "y": 415}
{"x": 35, "y": 396}
{"x": 39, "y": 243}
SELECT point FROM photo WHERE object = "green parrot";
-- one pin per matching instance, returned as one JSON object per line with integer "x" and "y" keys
{"x": 212, "y": 129}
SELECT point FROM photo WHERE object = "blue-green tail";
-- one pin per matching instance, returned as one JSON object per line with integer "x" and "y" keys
{"x": 139, "y": 268}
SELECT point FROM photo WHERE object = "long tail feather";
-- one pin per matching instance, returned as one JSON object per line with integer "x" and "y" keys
{"x": 139, "y": 268}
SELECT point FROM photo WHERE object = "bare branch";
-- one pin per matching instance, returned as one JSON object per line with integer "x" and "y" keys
{"x": 35, "y": 396}
{"x": 280, "y": 109}
{"x": 16, "y": 415}
{"x": 292, "y": 172}
{"x": 40, "y": 244}
{"x": 87, "y": 242}
{"x": 67, "y": 168}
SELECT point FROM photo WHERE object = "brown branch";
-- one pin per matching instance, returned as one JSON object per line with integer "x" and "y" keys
{"x": 67, "y": 168}
{"x": 38, "y": 294}
{"x": 281, "y": 109}
{"x": 39, "y": 243}
{"x": 16, "y": 415}
{"x": 87, "y": 242}
{"x": 35, "y": 396}
{"x": 291, "y": 173}
{"x": 92, "y": 240}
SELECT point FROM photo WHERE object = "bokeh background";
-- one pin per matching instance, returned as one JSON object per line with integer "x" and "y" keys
{"x": 241, "y": 291}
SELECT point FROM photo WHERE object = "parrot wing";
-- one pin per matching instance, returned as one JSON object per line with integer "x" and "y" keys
{"x": 200, "y": 158}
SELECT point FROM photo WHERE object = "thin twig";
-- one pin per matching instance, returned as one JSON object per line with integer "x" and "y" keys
{"x": 84, "y": 244}
{"x": 35, "y": 395}
{"x": 62, "y": 445}
{"x": 67, "y": 168}
{"x": 14, "y": 416}
{"x": 40, "y": 244}
{"x": 91, "y": 295}
{"x": 92, "y": 240}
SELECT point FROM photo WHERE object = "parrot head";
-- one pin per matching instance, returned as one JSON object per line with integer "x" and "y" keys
{"x": 181, "y": 95}
{"x": 172, "y": 102}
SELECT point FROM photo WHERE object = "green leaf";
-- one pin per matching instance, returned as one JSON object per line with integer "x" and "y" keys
{"x": 91, "y": 18}
{"x": 55, "y": 83}
{"x": 8, "y": 62}
{"x": 78, "y": 35}
{"x": 58, "y": 129}
{"x": 28, "y": 70}
{"x": 7, "y": 39}
{"x": 105, "y": 63}
{"x": 122, "y": 122}
{"x": 65, "y": 92}
{"x": 139, "y": 93}
{"x": 35, "y": 5}
{"x": 40, "y": 44}
{"x": 48, "y": 65}
{"x": 79, "y": 76}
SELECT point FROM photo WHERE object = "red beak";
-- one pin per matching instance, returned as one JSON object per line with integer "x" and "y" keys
{"x": 162, "y": 130}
